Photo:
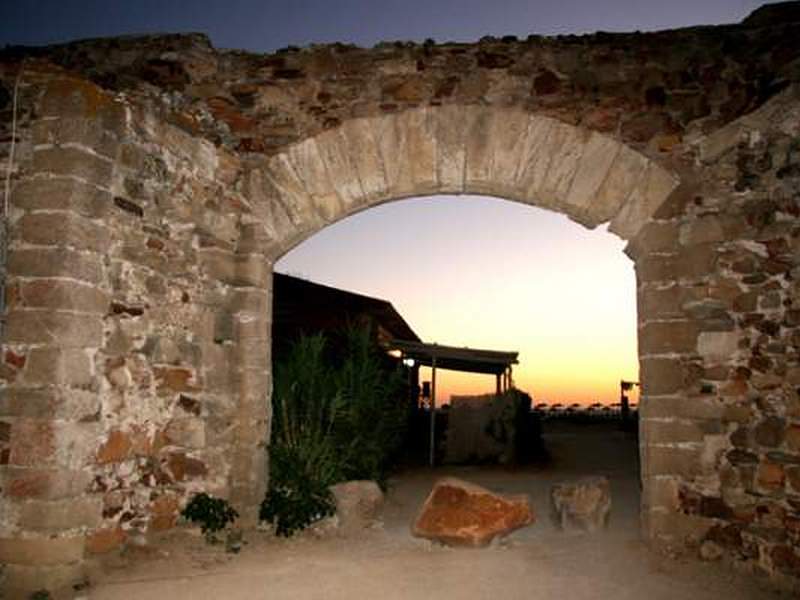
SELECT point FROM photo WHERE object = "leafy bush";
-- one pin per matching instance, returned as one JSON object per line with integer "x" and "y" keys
{"x": 337, "y": 415}
{"x": 213, "y": 514}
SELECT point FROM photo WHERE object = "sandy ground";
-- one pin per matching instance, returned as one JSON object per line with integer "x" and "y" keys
{"x": 385, "y": 563}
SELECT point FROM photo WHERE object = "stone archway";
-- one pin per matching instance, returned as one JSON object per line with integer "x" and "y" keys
{"x": 155, "y": 181}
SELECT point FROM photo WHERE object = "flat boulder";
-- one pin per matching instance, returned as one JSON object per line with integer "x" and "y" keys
{"x": 583, "y": 504}
{"x": 358, "y": 504}
{"x": 460, "y": 513}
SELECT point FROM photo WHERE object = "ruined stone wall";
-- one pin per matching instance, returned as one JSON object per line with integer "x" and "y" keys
{"x": 130, "y": 285}
{"x": 158, "y": 179}
{"x": 718, "y": 343}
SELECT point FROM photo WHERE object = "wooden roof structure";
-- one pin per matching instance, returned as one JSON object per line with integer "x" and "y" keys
{"x": 471, "y": 360}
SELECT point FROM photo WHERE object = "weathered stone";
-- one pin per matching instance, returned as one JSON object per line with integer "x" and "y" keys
{"x": 358, "y": 504}
{"x": 105, "y": 540}
{"x": 60, "y": 515}
{"x": 73, "y": 161}
{"x": 58, "y": 366}
{"x": 583, "y": 504}
{"x": 61, "y": 262}
{"x": 460, "y": 513}
{"x": 42, "y": 550}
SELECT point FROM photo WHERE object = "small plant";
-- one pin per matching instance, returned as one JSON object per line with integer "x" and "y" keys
{"x": 213, "y": 514}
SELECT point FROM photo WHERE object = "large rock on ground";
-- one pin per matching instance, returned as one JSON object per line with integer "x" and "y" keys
{"x": 583, "y": 504}
{"x": 460, "y": 513}
{"x": 358, "y": 504}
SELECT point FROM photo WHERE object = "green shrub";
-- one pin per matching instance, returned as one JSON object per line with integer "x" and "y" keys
{"x": 302, "y": 452}
{"x": 213, "y": 514}
{"x": 338, "y": 414}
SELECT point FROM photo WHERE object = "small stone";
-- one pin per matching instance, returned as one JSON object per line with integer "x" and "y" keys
{"x": 460, "y": 513}
{"x": 711, "y": 551}
{"x": 358, "y": 504}
{"x": 583, "y": 504}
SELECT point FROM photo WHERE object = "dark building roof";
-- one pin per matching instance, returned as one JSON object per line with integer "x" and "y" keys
{"x": 301, "y": 306}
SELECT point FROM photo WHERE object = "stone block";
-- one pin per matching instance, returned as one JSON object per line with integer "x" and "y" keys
{"x": 329, "y": 175}
{"x": 670, "y": 431}
{"x": 660, "y": 303}
{"x": 358, "y": 504}
{"x": 655, "y": 237}
{"x": 66, "y": 329}
{"x": 677, "y": 461}
{"x": 622, "y": 177}
{"x": 72, "y": 161}
{"x": 187, "y": 432}
{"x": 718, "y": 346}
{"x": 60, "y": 294}
{"x": 63, "y": 228}
{"x": 702, "y": 408}
{"x": 661, "y": 376}
{"x": 651, "y": 192}
{"x": 451, "y": 154}
{"x": 665, "y": 337}
{"x": 417, "y": 148}
{"x": 365, "y": 155}
{"x": 58, "y": 366}
{"x": 79, "y": 131}
{"x": 51, "y": 262}
{"x": 44, "y": 484}
{"x": 583, "y": 504}
{"x": 33, "y": 443}
{"x": 565, "y": 148}
{"x": 535, "y": 158}
{"x": 599, "y": 154}
{"x": 702, "y": 231}
{"x": 508, "y": 132}
{"x": 61, "y": 193}
{"x": 37, "y": 551}
{"x": 250, "y": 300}
{"x": 55, "y": 516}
{"x": 105, "y": 540}
{"x": 660, "y": 493}
{"x": 460, "y": 513}
{"x": 288, "y": 188}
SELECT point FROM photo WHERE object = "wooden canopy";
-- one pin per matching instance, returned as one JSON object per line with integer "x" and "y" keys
{"x": 471, "y": 360}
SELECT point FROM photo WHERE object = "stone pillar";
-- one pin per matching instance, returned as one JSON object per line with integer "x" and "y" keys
{"x": 56, "y": 300}
{"x": 252, "y": 316}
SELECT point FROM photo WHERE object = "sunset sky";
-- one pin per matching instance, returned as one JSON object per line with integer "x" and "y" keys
{"x": 463, "y": 271}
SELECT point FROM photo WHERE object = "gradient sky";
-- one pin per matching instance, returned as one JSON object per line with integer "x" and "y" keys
{"x": 465, "y": 271}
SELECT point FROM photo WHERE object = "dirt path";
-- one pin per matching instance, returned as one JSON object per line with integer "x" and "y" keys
{"x": 386, "y": 563}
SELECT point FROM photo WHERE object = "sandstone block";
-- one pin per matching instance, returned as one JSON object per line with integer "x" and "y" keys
{"x": 450, "y": 149}
{"x": 75, "y": 130}
{"x": 358, "y": 504}
{"x": 73, "y": 161}
{"x": 62, "y": 294}
{"x": 366, "y": 156}
{"x": 718, "y": 346}
{"x": 653, "y": 190}
{"x": 661, "y": 376}
{"x": 675, "y": 431}
{"x": 59, "y": 515}
{"x": 52, "y": 484}
{"x": 58, "y": 366}
{"x": 62, "y": 193}
{"x": 598, "y": 156}
{"x": 105, "y": 540}
{"x": 584, "y": 504}
{"x": 63, "y": 229}
{"x": 670, "y": 460}
{"x": 664, "y": 337}
{"x": 68, "y": 330}
{"x": 52, "y": 262}
{"x": 460, "y": 513}
{"x": 330, "y": 176}
{"x": 42, "y": 550}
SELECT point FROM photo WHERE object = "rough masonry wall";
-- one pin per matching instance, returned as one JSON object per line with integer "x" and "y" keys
{"x": 131, "y": 282}
{"x": 719, "y": 348}
{"x": 158, "y": 178}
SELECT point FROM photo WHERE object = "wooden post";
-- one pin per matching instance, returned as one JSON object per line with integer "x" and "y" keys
{"x": 499, "y": 388}
{"x": 510, "y": 377}
{"x": 432, "y": 452}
